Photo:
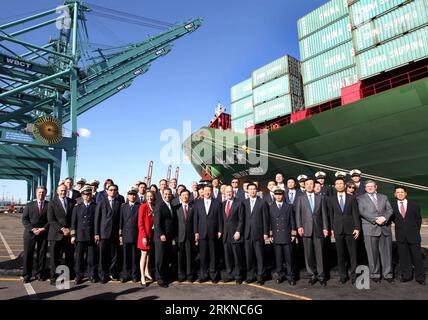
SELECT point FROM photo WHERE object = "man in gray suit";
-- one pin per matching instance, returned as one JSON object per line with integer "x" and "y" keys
{"x": 376, "y": 211}
{"x": 312, "y": 226}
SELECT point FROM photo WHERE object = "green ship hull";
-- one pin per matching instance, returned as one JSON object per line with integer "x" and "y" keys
{"x": 385, "y": 135}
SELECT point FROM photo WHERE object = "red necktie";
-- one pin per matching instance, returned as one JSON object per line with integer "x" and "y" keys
{"x": 402, "y": 210}
{"x": 228, "y": 208}
{"x": 185, "y": 212}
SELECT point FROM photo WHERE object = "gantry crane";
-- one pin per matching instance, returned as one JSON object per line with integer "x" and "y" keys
{"x": 44, "y": 86}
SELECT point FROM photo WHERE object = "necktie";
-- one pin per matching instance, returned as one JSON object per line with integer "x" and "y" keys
{"x": 40, "y": 207}
{"x": 169, "y": 207}
{"x": 291, "y": 197}
{"x": 252, "y": 205}
{"x": 311, "y": 202}
{"x": 402, "y": 210}
{"x": 374, "y": 200}
{"x": 228, "y": 208}
{"x": 111, "y": 204}
{"x": 185, "y": 211}
{"x": 279, "y": 206}
{"x": 64, "y": 206}
{"x": 341, "y": 203}
{"x": 141, "y": 199}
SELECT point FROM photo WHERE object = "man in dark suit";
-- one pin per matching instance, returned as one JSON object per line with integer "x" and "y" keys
{"x": 82, "y": 235}
{"x": 142, "y": 189}
{"x": 256, "y": 231}
{"x": 291, "y": 193}
{"x": 269, "y": 196}
{"x": 283, "y": 233}
{"x": 128, "y": 237}
{"x": 60, "y": 210}
{"x": 312, "y": 226}
{"x": 176, "y": 202}
{"x": 407, "y": 218}
{"x": 233, "y": 236}
{"x": 194, "y": 194}
{"x": 208, "y": 229}
{"x": 71, "y": 193}
{"x": 35, "y": 221}
{"x": 345, "y": 228}
{"x": 238, "y": 193}
{"x": 107, "y": 218}
{"x": 216, "y": 194}
{"x": 185, "y": 238}
{"x": 326, "y": 190}
{"x": 165, "y": 231}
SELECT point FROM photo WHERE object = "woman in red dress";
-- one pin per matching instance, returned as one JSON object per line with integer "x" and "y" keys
{"x": 145, "y": 234}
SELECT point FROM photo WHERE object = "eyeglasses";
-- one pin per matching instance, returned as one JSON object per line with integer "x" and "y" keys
{"x": 351, "y": 188}
{"x": 234, "y": 181}
{"x": 112, "y": 189}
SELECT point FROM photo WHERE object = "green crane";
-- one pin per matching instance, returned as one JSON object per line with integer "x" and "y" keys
{"x": 44, "y": 86}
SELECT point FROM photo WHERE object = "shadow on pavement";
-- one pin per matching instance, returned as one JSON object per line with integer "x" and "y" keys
{"x": 50, "y": 294}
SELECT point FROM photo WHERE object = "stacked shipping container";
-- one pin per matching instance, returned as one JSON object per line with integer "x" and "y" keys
{"x": 274, "y": 90}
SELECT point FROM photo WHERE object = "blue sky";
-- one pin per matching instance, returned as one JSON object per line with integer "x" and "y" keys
{"x": 236, "y": 37}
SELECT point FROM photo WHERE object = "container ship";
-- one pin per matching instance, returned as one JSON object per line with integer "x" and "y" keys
{"x": 356, "y": 99}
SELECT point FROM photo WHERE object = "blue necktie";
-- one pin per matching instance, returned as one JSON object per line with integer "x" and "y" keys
{"x": 291, "y": 196}
{"x": 279, "y": 206}
{"x": 342, "y": 203}
{"x": 311, "y": 202}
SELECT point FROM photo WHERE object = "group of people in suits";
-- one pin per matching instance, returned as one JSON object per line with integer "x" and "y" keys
{"x": 109, "y": 236}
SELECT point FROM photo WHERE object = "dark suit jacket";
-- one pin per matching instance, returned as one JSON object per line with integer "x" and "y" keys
{"x": 269, "y": 198}
{"x": 32, "y": 219}
{"x": 128, "y": 224}
{"x": 256, "y": 222}
{"x": 282, "y": 222}
{"x": 165, "y": 222}
{"x": 191, "y": 197}
{"x": 185, "y": 225}
{"x": 82, "y": 222}
{"x": 409, "y": 228}
{"x": 58, "y": 218}
{"x": 343, "y": 222}
{"x": 313, "y": 223}
{"x": 207, "y": 225}
{"x": 75, "y": 194}
{"x": 107, "y": 219}
{"x": 235, "y": 222}
{"x": 361, "y": 189}
{"x": 218, "y": 198}
{"x": 240, "y": 194}
{"x": 298, "y": 193}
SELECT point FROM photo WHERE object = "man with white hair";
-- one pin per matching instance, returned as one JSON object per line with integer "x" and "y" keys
{"x": 376, "y": 213}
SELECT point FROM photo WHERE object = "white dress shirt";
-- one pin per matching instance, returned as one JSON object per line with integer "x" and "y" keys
{"x": 207, "y": 203}
{"x": 404, "y": 203}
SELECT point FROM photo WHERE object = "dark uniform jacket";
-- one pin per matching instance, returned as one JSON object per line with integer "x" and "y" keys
{"x": 128, "y": 225}
{"x": 282, "y": 223}
{"x": 83, "y": 222}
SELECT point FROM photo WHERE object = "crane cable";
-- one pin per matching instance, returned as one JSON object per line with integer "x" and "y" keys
{"x": 277, "y": 156}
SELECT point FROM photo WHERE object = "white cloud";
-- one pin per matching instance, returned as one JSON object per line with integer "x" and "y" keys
{"x": 84, "y": 133}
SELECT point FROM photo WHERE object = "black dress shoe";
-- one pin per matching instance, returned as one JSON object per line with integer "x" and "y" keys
{"x": 93, "y": 280}
{"x": 123, "y": 280}
{"x": 40, "y": 278}
{"x": 135, "y": 280}
{"x": 104, "y": 280}
{"x": 202, "y": 280}
{"x": 390, "y": 280}
{"x": 343, "y": 281}
{"x": 52, "y": 281}
{"x": 26, "y": 280}
{"x": 311, "y": 282}
{"x": 215, "y": 281}
{"x": 405, "y": 279}
{"x": 421, "y": 282}
{"x": 114, "y": 277}
{"x": 191, "y": 279}
{"x": 163, "y": 285}
{"x": 78, "y": 280}
{"x": 260, "y": 282}
{"x": 181, "y": 280}
{"x": 278, "y": 281}
{"x": 323, "y": 283}
{"x": 377, "y": 280}
{"x": 292, "y": 282}
{"x": 238, "y": 281}
{"x": 249, "y": 280}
